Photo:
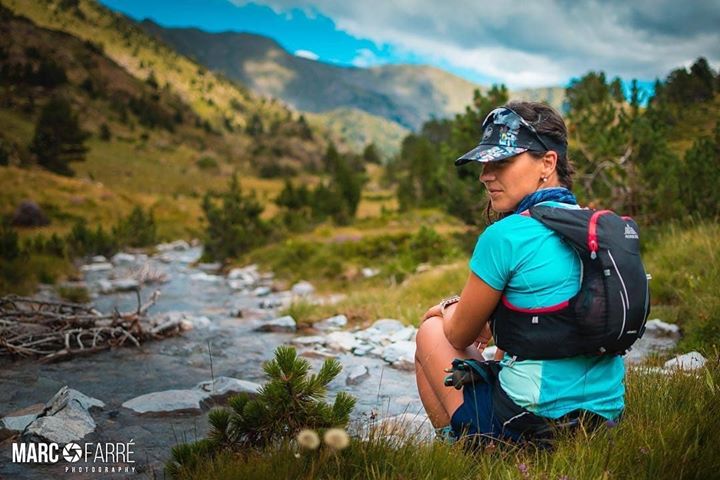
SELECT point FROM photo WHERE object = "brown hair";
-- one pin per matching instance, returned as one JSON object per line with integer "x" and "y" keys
{"x": 546, "y": 121}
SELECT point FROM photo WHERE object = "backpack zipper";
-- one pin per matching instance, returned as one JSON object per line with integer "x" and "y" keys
{"x": 592, "y": 232}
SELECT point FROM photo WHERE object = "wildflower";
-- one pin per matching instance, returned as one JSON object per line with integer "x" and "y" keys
{"x": 336, "y": 438}
{"x": 524, "y": 470}
{"x": 308, "y": 439}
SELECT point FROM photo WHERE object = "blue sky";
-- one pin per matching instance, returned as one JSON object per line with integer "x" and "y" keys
{"x": 543, "y": 43}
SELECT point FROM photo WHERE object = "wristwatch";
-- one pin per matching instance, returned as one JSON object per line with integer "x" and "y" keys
{"x": 447, "y": 302}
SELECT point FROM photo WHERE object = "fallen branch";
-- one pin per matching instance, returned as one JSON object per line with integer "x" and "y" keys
{"x": 58, "y": 331}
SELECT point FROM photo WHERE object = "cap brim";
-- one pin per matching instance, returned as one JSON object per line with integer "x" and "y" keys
{"x": 489, "y": 153}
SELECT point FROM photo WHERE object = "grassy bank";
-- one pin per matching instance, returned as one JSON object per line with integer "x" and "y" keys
{"x": 684, "y": 262}
{"x": 669, "y": 432}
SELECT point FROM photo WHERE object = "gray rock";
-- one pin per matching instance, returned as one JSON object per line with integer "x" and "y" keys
{"x": 237, "y": 284}
{"x": 688, "y": 362}
{"x": 167, "y": 402}
{"x": 226, "y": 386}
{"x": 362, "y": 349}
{"x": 69, "y": 425}
{"x": 369, "y": 272}
{"x": 372, "y": 336}
{"x": 405, "y": 334}
{"x": 15, "y": 422}
{"x": 66, "y": 418}
{"x": 404, "y": 428}
{"x": 209, "y": 267}
{"x": 303, "y": 289}
{"x": 270, "y": 303}
{"x": 262, "y": 291}
{"x": 66, "y": 396}
{"x": 204, "y": 277}
{"x": 281, "y": 324}
{"x": 333, "y": 323}
{"x": 388, "y": 326}
{"x": 98, "y": 259}
{"x": 357, "y": 375}
{"x": 246, "y": 276}
{"x": 400, "y": 355}
{"x": 659, "y": 327}
{"x": 122, "y": 257}
{"x": 177, "y": 245}
{"x": 308, "y": 340}
{"x": 318, "y": 352}
{"x": 96, "y": 267}
{"x": 342, "y": 341}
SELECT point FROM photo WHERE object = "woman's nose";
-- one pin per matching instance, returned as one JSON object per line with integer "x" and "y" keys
{"x": 487, "y": 173}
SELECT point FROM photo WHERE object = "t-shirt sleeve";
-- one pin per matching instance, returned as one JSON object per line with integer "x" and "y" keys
{"x": 492, "y": 258}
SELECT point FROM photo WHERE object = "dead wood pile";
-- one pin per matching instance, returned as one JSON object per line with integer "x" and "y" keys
{"x": 56, "y": 331}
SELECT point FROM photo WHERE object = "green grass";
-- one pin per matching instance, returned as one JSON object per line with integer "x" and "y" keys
{"x": 21, "y": 275}
{"x": 669, "y": 431}
{"x": 685, "y": 264}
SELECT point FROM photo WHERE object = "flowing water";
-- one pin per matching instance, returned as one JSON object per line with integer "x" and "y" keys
{"x": 228, "y": 346}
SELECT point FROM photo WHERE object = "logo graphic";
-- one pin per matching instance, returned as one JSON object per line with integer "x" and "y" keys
{"x": 630, "y": 232}
{"x": 72, "y": 452}
{"x": 488, "y": 132}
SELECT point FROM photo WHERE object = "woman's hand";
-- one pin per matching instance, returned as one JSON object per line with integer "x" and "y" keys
{"x": 433, "y": 311}
{"x": 484, "y": 338}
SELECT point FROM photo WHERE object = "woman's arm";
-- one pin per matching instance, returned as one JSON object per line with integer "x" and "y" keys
{"x": 464, "y": 322}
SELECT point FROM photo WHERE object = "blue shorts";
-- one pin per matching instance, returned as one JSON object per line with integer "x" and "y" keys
{"x": 475, "y": 416}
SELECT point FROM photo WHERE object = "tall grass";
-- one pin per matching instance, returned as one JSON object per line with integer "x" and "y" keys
{"x": 685, "y": 264}
{"x": 669, "y": 431}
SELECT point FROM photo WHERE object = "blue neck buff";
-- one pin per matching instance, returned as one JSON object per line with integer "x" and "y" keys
{"x": 555, "y": 194}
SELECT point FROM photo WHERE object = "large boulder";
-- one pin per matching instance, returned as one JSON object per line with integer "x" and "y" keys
{"x": 29, "y": 214}
{"x": 687, "y": 362}
{"x": 281, "y": 324}
{"x": 303, "y": 289}
{"x": 400, "y": 355}
{"x": 15, "y": 422}
{"x": 66, "y": 418}
{"x": 333, "y": 323}
{"x": 167, "y": 402}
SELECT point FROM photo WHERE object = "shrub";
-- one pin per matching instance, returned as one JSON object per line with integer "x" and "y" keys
{"x": 291, "y": 401}
{"x": 207, "y": 163}
{"x": 58, "y": 138}
{"x": 234, "y": 226}
{"x": 82, "y": 241}
{"x": 137, "y": 229}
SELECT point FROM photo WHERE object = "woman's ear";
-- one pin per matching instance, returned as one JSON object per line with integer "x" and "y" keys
{"x": 549, "y": 161}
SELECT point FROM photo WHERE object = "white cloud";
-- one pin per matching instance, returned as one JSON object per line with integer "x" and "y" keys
{"x": 534, "y": 43}
{"x": 306, "y": 54}
{"x": 364, "y": 58}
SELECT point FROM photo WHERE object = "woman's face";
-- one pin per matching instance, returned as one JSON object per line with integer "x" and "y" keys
{"x": 508, "y": 181}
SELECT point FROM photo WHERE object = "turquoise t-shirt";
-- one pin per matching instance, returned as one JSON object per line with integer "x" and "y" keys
{"x": 536, "y": 268}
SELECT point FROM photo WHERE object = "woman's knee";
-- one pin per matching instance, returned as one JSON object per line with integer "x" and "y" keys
{"x": 428, "y": 334}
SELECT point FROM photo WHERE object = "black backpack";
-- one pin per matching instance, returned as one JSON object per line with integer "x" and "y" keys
{"x": 609, "y": 312}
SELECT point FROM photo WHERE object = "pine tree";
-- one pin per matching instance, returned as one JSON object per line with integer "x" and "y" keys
{"x": 235, "y": 225}
{"x": 58, "y": 138}
{"x": 292, "y": 400}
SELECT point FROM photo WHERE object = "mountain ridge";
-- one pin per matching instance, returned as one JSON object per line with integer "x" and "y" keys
{"x": 406, "y": 94}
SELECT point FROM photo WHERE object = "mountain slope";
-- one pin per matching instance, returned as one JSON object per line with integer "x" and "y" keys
{"x": 147, "y": 144}
{"x": 227, "y": 107}
{"x": 406, "y": 94}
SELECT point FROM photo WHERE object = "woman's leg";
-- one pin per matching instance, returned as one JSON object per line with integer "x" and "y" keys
{"x": 432, "y": 355}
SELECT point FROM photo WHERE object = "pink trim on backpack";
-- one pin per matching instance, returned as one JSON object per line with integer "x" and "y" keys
{"x": 553, "y": 308}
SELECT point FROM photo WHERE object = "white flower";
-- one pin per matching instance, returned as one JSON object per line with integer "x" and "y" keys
{"x": 336, "y": 438}
{"x": 308, "y": 439}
